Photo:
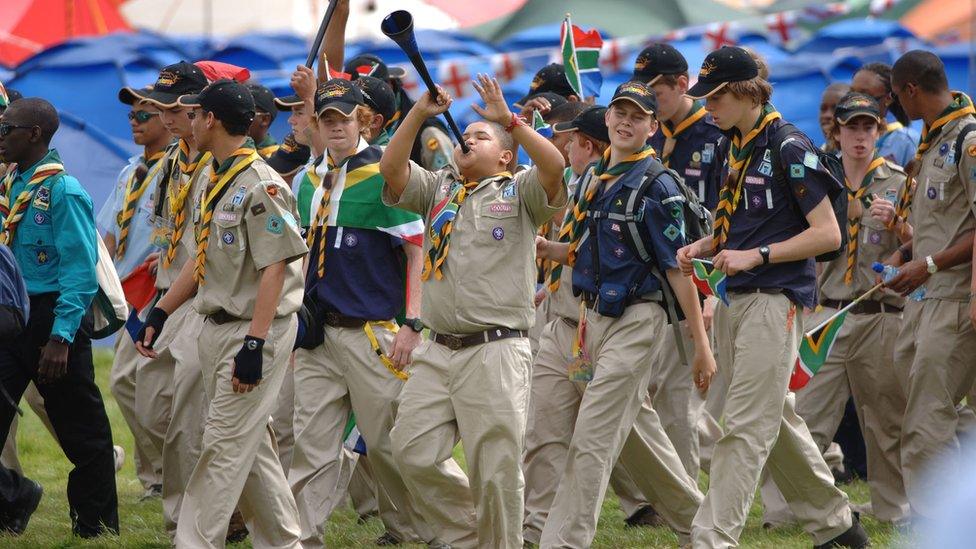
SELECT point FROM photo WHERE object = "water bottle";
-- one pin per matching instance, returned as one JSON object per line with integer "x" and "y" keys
{"x": 888, "y": 272}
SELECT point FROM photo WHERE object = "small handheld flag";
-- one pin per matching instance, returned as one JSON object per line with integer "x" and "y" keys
{"x": 709, "y": 280}
{"x": 814, "y": 350}
{"x": 581, "y": 58}
{"x": 540, "y": 126}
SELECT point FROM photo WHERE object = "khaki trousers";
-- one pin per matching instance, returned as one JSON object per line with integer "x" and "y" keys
{"x": 362, "y": 488}
{"x": 341, "y": 376}
{"x": 238, "y": 464}
{"x": 937, "y": 349}
{"x": 480, "y": 393}
{"x": 9, "y": 457}
{"x": 614, "y": 420}
{"x": 144, "y": 397}
{"x": 283, "y": 416}
{"x": 758, "y": 336}
{"x": 861, "y": 363}
{"x": 177, "y": 348}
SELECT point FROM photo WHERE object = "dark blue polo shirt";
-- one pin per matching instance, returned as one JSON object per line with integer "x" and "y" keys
{"x": 364, "y": 276}
{"x": 697, "y": 158}
{"x": 770, "y": 212}
{"x": 663, "y": 216}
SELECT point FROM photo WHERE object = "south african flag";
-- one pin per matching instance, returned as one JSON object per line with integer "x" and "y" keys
{"x": 540, "y": 126}
{"x": 709, "y": 280}
{"x": 581, "y": 58}
{"x": 814, "y": 350}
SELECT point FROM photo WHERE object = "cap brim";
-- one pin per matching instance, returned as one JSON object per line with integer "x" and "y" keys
{"x": 188, "y": 101}
{"x": 130, "y": 96}
{"x": 858, "y": 114}
{"x": 284, "y": 166}
{"x": 635, "y": 102}
{"x": 288, "y": 102}
{"x": 563, "y": 127}
{"x": 346, "y": 109}
{"x": 701, "y": 90}
{"x": 396, "y": 72}
{"x": 162, "y": 100}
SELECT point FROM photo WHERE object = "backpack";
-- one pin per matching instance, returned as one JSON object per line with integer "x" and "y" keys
{"x": 838, "y": 194}
{"x": 963, "y": 134}
{"x": 698, "y": 223}
{"x": 108, "y": 306}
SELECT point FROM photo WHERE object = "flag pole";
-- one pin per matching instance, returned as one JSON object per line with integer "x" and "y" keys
{"x": 861, "y": 298}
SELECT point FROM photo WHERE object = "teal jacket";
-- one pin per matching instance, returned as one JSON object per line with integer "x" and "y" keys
{"x": 55, "y": 245}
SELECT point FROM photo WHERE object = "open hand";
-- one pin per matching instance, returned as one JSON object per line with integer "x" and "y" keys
{"x": 495, "y": 109}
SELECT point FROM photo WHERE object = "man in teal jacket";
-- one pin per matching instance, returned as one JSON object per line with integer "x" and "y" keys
{"x": 46, "y": 219}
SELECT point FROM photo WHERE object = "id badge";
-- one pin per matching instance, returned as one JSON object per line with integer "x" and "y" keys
{"x": 581, "y": 370}
{"x": 162, "y": 232}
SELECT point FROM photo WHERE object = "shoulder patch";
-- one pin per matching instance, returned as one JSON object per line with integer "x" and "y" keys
{"x": 258, "y": 209}
{"x": 433, "y": 144}
{"x": 810, "y": 160}
{"x": 271, "y": 189}
{"x": 971, "y": 151}
{"x": 275, "y": 224}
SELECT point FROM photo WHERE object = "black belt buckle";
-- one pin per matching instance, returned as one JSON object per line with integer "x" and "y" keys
{"x": 453, "y": 343}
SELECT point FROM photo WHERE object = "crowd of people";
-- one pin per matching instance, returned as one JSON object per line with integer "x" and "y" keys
{"x": 333, "y": 314}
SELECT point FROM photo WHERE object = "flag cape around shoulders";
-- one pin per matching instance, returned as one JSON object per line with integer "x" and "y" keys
{"x": 709, "y": 280}
{"x": 357, "y": 202}
{"x": 814, "y": 350}
{"x": 581, "y": 59}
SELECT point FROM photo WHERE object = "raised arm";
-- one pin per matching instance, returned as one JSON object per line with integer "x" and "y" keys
{"x": 395, "y": 164}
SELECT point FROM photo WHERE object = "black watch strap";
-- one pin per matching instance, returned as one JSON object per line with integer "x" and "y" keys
{"x": 764, "y": 252}
{"x": 414, "y": 324}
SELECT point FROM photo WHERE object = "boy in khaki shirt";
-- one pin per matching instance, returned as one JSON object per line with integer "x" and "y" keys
{"x": 247, "y": 282}
{"x": 472, "y": 377}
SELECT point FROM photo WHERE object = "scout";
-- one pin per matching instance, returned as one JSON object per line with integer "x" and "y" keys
{"x": 247, "y": 282}
{"x": 471, "y": 378}
{"x": 936, "y": 345}
{"x": 265, "y": 114}
{"x": 898, "y": 141}
{"x": 767, "y": 231}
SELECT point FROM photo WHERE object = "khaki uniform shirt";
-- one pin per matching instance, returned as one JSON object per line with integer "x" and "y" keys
{"x": 490, "y": 272}
{"x": 942, "y": 207}
{"x": 874, "y": 243}
{"x": 254, "y": 225}
{"x": 165, "y": 224}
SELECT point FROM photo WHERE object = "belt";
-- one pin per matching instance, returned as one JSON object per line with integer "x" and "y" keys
{"x": 861, "y": 307}
{"x": 755, "y": 290}
{"x": 589, "y": 299}
{"x": 455, "y": 343}
{"x": 223, "y": 317}
{"x": 338, "y": 320}
{"x": 572, "y": 322}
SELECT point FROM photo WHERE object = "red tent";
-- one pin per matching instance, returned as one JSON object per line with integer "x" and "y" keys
{"x": 29, "y": 26}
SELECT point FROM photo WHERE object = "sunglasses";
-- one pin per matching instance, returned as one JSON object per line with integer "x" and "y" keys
{"x": 6, "y": 129}
{"x": 141, "y": 117}
{"x": 191, "y": 114}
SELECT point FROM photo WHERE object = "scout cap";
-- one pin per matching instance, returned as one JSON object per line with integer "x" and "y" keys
{"x": 229, "y": 101}
{"x": 264, "y": 99}
{"x": 288, "y": 102}
{"x": 174, "y": 80}
{"x": 378, "y": 95}
{"x": 338, "y": 95}
{"x": 367, "y": 64}
{"x": 637, "y": 93}
{"x": 554, "y": 99}
{"x": 551, "y": 78}
{"x": 724, "y": 65}
{"x": 854, "y": 105}
{"x": 656, "y": 60}
{"x": 290, "y": 156}
{"x": 591, "y": 122}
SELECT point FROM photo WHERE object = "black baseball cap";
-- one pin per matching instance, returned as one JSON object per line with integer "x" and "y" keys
{"x": 554, "y": 99}
{"x": 288, "y": 102}
{"x": 591, "y": 122}
{"x": 229, "y": 101}
{"x": 656, "y": 60}
{"x": 378, "y": 95}
{"x": 290, "y": 156}
{"x": 264, "y": 99}
{"x": 551, "y": 78}
{"x": 724, "y": 65}
{"x": 854, "y": 105}
{"x": 367, "y": 64}
{"x": 637, "y": 93}
{"x": 338, "y": 95}
{"x": 174, "y": 80}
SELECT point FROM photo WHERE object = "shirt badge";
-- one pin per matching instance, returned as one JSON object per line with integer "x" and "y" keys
{"x": 931, "y": 193}
{"x": 42, "y": 199}
{"x": 618, "y": 251}
{"x": 499, "y": 208}
{"x": 498, "y": 233}
{"x": 509, "y": 191}
{"x": 226, "y": 216}
{"x": 696, "y": 156}
{"x": 754, "y": 180}
{"x": 797, "y": 171}
{"x": 41, "y": 257}
{"x": 971, "y": 150}
{"x": 258, "y": 209}
{"x": 350, "y": 240}
{"x": 276, "y": 225}
{"x": 615, "y": 227}
{"x": 943, "y": 149}
{"x": 810, "y": 160}
{"x": 238, "y": 198}
{"x": 39, "y": 218}
{"x": 290, "y": 219}
{"x": 271, "y": 189}
{"x": 708, "y": 152}
{"x": 227, "y": 237}
{"x": 875, "y": 238}
{"x": 767, "y": 156}
{"x": 756, "y": 200}
{"x": 672, "y": 232}
{"x": 766, "y": 169}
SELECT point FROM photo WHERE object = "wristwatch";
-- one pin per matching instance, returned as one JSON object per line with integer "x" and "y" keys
{"x": 932, "y": 267}
{"x": 764, "y": 252}
{"x": 414, "y": 324}
{"x": 59, "y": 339}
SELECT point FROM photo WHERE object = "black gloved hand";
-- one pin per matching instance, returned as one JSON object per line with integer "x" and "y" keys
{"x": 155, "y": 319}
{"x": 247, "y": 363}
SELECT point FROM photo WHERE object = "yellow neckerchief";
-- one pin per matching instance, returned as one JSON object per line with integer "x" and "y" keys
{"x": 854, "y": 222}
{"x": 134, "y": 189}
{"x": 960, "y": 106}
{"x": 321, "y": 221}
{"x": 219, "y": 181}
{"x": 178, "y": 196}
{"x": 740, "y": 154}
{"x": 11, "y": 217}
{"x": 696, "y": 113}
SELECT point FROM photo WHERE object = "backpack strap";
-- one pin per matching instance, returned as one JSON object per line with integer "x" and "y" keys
{"x": 963, "y": 134}
{"x": 776, "y": 142}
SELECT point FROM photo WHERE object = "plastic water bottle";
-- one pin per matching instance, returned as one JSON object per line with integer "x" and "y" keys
{"x": 888, "y": 272}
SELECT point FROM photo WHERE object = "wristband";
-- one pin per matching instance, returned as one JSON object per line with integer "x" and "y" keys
{"x": 516, "y": 122}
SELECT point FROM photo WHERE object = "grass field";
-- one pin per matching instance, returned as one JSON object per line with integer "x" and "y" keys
{"x": 142, "y": 525}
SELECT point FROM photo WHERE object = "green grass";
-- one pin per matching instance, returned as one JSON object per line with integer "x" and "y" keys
{"x": 142, "y": 525}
